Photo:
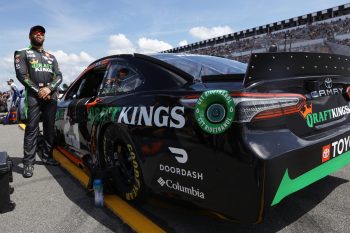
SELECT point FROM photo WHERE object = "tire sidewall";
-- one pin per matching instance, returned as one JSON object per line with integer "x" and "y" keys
{"x": 135, "y": 190}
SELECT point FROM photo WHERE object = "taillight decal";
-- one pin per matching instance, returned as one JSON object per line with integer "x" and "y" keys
{"x": 348, "y": 92}
{"x": 258, "y": 106}
{"x": 251, "y": 106}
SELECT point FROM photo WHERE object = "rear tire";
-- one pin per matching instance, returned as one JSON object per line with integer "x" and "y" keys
{"x": 122, "y": 160}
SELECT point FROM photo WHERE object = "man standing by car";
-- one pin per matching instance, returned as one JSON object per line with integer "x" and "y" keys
{"x": 38, "y": 71}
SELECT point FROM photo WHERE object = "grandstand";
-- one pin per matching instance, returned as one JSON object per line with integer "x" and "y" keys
{"x": 323, "y": 31}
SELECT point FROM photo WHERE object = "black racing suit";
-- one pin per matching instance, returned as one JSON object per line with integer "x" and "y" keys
{"x": 36, "y": 69}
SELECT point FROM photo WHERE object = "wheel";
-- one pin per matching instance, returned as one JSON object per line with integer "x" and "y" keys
{"x": 121, "y": 159}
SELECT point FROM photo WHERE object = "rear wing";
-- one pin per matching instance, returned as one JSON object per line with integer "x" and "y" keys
{"x": 274, "y": 66}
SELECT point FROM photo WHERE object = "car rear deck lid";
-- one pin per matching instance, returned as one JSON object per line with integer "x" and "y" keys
{"x": 270, "y": 66}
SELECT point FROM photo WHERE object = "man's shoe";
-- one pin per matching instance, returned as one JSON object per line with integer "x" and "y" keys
{"x": 50, "y": 161}
{"x": 28, "y": 170}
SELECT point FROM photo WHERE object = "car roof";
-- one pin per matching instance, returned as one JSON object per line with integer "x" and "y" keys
{"x": 155, "y": 60}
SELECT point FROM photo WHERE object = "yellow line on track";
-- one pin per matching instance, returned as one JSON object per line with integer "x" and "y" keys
{"x": 136, "y": 220}
{"x": 78, "y": 173}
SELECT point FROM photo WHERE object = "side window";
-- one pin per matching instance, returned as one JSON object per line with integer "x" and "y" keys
{"x": 88, "y": 85}
{"x": 122, "y": 78}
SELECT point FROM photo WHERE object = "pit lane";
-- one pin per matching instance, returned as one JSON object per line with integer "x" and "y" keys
{"x": 57, "y": 202}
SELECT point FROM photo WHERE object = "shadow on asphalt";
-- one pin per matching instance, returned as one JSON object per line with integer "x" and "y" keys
{"x": 19, "y": 169}
{"x": 276, "y": 218}
{"x": 79, "y": 196}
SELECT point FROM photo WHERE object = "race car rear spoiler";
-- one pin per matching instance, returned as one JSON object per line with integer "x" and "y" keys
{"x": 272, "y": 66}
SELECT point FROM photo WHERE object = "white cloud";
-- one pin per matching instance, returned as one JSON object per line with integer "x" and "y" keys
{"x": 203, "y": 33}
{"x": 151, "y": 45}
{"x": 71, "y": 65}
{"x": 120, "y": 44}
{"x": 7, "y": 71}
{"x": 183, "y": 43}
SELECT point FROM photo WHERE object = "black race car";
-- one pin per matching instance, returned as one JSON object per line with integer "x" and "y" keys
{"x": 226, "y": 136}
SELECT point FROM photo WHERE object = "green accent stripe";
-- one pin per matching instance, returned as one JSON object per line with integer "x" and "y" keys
{"x": 289, "y": 186}
{"x": 26, "y": 104}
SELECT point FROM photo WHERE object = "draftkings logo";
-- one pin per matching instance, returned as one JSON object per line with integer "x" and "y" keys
{"x": 317, "y": 118}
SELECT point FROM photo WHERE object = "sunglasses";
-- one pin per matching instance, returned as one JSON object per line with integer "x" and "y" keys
{"x": 38, "y": 33}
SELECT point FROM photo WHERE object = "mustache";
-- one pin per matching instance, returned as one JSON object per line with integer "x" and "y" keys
{"x": 36, "y": 42}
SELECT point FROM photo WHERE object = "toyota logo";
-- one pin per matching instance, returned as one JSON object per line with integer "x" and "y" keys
{"x": 328, "y": 82}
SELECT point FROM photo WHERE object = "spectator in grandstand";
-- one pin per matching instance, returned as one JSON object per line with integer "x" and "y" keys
{"x": 273, "y": 48}
{"x": 241, "y": 48}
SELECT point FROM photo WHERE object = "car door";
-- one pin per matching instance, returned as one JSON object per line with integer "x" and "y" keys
{"x": 73, "y": 108}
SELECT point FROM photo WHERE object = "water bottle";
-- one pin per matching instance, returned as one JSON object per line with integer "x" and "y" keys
{"x": 98, "y": 190}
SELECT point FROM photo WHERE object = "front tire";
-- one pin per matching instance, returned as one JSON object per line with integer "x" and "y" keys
{"x": 121, "y": 159}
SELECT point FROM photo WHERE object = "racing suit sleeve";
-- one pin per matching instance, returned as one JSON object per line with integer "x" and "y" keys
{"x": 21, "y": 67}
{"x": 57, "y": 76}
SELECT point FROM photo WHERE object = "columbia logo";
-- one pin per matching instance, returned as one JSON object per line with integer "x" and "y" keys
{"x": 161, "y": 181}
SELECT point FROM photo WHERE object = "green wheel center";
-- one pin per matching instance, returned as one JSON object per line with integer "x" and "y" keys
{"x": 216, "y": 113}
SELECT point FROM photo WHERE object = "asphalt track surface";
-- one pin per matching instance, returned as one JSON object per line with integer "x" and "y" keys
{"x": 53, "y": 201}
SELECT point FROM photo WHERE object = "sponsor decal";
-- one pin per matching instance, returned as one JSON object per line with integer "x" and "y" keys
{"x": 178, "y": 187}
{"x": 40, "y": 67}
{"x": 215, "y": 111}
{"x": 33, "y": 61}
{"x": 326, "y": 152}
{"x": 181, "y": 172}
{"x": 315, "y": 118}
{"x": 136, "y": 184}
{"x": 341, "y": 146}
{"x": 29, "y": 52}
{"x": 180, "y": 154}
{"x": 335, "y": 148}
{"x": 291, "y": 185}
{"x": 48, "y": 58}
{"x": 148, "y": 116}
{"x": 328, "y": 83}
{"x": 327, "y": 92}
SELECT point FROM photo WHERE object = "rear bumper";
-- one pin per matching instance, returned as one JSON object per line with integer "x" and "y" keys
{"x": 311, "y": 161}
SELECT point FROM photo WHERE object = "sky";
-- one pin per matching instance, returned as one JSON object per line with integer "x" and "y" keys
{"x": 79, "y": 32}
